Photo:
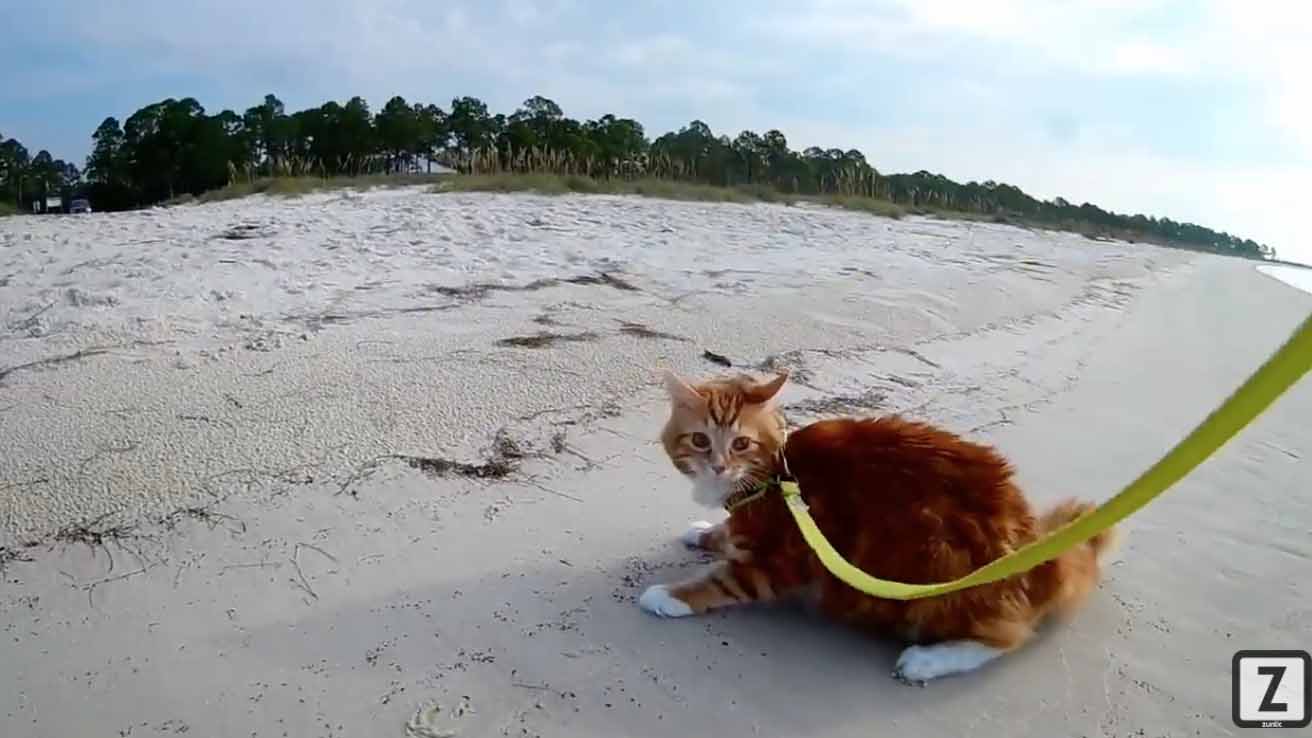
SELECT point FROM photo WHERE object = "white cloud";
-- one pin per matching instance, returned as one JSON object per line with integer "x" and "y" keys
{"x": 1216, "y": 47}
{"x": 1146, "y": 57}
{"x": 654, "y": 51}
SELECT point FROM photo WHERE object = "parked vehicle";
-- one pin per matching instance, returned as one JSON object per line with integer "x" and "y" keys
{"x": 79, "y": 206}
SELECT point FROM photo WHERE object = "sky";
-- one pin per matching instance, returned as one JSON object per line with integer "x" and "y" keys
{"x": 1199, "y": 111}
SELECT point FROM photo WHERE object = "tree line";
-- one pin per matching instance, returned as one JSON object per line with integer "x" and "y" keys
{"x": 24, "y": 178}
{"x": 174, "y": 147}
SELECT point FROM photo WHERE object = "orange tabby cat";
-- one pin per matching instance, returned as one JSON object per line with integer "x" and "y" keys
{"x": 901, "y": 500}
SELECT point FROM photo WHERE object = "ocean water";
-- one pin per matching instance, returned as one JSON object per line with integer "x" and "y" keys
{"x": 1297, "y": 277}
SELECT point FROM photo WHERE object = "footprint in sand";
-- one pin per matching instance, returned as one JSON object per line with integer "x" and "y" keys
{"x": 424, "y": 723}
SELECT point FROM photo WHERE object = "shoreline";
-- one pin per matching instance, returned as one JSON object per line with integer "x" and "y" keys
{"x": 1294, "y": 275}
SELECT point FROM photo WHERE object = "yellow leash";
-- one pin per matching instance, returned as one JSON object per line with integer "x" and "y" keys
{"x": 1278, "y": 374}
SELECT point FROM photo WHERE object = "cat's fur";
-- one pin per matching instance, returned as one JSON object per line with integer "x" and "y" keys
{"x": 900, "y": 500}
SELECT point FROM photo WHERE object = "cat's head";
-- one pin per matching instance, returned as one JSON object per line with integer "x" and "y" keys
{"x": 723, "y": 433}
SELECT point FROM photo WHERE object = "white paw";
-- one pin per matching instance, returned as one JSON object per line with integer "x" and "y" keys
{"x": 657, "y": 600}
{"x": 692, "y": 538}
{"x": 920, "y": 664}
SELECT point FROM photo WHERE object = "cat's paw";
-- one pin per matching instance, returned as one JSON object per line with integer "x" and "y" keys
{"x": 692, "y": 538}
{"x": 916, "y": 665}
{"x": 920, "y": 664}
{"x": 657, "y": 600}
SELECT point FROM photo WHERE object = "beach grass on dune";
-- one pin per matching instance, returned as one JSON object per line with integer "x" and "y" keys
{"x": 547, "y": 183}
{"x": 542, "y": 183}
{"x": 670, "y": 189}
{"x": 665, "y": 189}
{"x": 556, "y": 184}
{"x": 295, "y": 186}
{"x": 872, "y": 205}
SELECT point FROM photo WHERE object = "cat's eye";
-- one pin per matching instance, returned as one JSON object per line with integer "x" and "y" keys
{"x": 741, "y": 443}
{"x": 700, "y": 440}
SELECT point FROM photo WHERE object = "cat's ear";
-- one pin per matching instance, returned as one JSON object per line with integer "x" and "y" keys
{"x": 681, "y": 393}
{"x": 763, "y": 393}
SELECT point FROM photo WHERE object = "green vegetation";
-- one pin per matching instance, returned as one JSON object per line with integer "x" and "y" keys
{"x": 872, "y": 205}
{"x": 24, "y": 177}
{"x": 173, "y": 150}
{"x": 557, "y": 184}
{"x": 665, "y": 189}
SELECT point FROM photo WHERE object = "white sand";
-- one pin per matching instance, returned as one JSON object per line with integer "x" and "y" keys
{"x": 313, "y": 586}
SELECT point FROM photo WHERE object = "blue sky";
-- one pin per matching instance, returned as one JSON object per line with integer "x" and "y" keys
{"x": 1194, "y": 110}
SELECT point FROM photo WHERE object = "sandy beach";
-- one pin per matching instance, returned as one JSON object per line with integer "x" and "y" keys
{"x": 385, "y": 463}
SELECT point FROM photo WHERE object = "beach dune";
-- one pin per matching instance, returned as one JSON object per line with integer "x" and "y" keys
{"x": 386, "y": 464}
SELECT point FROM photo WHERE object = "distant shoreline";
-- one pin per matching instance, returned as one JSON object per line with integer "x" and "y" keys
{"x": 1282, "y": 262}
{"x": 1298, "y": 276}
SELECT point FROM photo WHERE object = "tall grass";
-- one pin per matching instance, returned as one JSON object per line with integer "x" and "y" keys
{"x": 872, "y": 205}
{"x": 551, "y": 172}
{"x": 544, "y": 182}
{"x": 664, "y": 189}
{"x": 557, "y": 184}
{"x": 8, "y": 208}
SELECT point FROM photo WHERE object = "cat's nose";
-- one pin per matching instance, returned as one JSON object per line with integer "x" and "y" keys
{"x": 717, "y": 468}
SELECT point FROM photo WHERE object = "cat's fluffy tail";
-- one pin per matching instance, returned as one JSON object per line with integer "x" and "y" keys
{"x": 1102, "y": 545}
{"x": 1064, "y": 586}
